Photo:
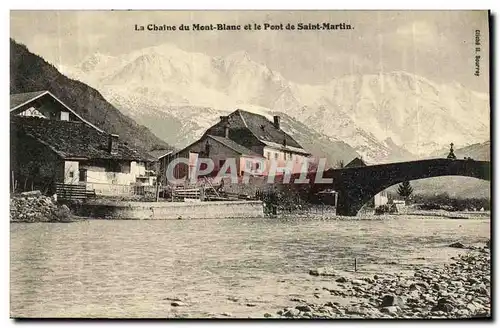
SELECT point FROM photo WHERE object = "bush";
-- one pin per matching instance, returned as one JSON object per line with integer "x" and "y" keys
{"x": 445, "y": 202}
{"x": 386, "y": 209}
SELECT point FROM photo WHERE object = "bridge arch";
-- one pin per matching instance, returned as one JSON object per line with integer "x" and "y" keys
{"x": 356, "y": 186}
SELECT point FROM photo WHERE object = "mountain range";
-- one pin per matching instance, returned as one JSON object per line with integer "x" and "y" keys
{"x": 386, "y": 117}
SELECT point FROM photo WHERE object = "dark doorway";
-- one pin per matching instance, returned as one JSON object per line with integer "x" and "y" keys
{"x": 83, "y": 175}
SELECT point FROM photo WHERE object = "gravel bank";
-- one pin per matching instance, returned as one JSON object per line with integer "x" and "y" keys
{"x": 460, "y": 289}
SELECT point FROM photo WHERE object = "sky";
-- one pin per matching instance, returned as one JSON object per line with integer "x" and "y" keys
{"x": 438, "y": 45}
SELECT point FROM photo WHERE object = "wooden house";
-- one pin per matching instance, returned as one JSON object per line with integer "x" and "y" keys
{"x": 51, "y": 143}
{"x": 250, "y": 139}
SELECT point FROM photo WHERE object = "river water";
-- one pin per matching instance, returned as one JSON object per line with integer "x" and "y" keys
{"x": 232, "y": 267}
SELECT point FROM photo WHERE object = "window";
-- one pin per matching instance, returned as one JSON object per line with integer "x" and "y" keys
{"x": 268, "y": 155}
{"x": 112, "y": 166}
{"x": 257, "y": 166}
{"x": 71, "y": 174}
{"x": 276, "y": 155}
{"x": 64, "y": 116}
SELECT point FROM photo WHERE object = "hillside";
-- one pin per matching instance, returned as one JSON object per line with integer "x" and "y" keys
{"x": 385, "y": 117}
{"x": 29, "y": 72}
{"x": 457, "y": 186}
{"x": 477, "y": 151}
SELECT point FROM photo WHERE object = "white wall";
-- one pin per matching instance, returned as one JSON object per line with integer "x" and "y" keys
{"x": 137, "y": 168}
{"x": 283, "y": 158}
{"x": 381, "y": 199}
{"x": 114, "y": 183}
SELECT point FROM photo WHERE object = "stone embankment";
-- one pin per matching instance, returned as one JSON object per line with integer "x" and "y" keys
{"x": 460, "y": 289}
{"x": 34, "y": 207}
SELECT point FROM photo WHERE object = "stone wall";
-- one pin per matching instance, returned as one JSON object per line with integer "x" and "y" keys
{"x": 172, "y": 211}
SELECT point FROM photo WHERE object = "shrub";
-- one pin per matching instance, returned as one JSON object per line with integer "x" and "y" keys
{"x": 386, "y": 209}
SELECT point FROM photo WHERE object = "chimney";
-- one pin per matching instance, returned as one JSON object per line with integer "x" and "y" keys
{"x": 113, "y": 143}
{"x": 225, "y": 121}
{"x": 276, "y": 121}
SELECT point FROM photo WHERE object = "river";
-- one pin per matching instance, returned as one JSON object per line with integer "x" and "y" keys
{"x": 227, "y": 267}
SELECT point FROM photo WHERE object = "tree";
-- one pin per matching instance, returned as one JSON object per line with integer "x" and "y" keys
{"x": 405, "y": 190}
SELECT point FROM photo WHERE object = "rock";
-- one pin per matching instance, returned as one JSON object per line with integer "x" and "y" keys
{"x": 457, "y": 245}
{"x": 354, "y": 310}
{"x": 175, "y": 299}
{"x": 327, "y": 271}
{"x": 443, "y": 304}
{"x": 268, "y": 315}
{"x": 251, "y": 304}
{"x": 392, "y": 300}
{"x": 358, "y": 282}
{"x": 341, "y": 279}
{"x": 471, "y": 307}
{"x": 304, "y": 308}
{"x": 291, "y": 313}
{"x": 390, "y": 309}
{"x": 414, "y": 294}
{"x": 419, "y": 284}
{"x": 178, "y": 303}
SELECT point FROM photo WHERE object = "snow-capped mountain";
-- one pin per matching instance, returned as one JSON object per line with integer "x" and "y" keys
{"x": 384, "y": 117}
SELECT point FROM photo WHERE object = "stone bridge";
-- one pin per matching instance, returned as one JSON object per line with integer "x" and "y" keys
{"x": 357, "y": 185}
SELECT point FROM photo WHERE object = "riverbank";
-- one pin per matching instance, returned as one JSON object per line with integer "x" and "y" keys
{"x": 460, "y": 289}
{"x": 448, "y": 214}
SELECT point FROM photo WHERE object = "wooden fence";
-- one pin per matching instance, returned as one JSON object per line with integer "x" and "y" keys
{"x": 72, "y": 192}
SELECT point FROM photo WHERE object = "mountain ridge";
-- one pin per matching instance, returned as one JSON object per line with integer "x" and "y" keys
{"x": 30, "y": 72}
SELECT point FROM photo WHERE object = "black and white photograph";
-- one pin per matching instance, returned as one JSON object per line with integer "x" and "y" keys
{"x": 250, "y": 164}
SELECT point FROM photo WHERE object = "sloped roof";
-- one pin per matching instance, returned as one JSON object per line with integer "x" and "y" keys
{"x": 160, "y": 153}
{"x": 234, "y": 146}
{"x": 19, "y": 99}
{"x": 71, "y": 139}
{"x": 265, "y": 130}
{"x": 357, "y": 162}
{"x": 22, "y": 101}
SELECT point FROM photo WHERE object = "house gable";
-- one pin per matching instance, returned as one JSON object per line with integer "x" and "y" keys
{"x": 255, "y": 132}
{"x": 238, "y": 131}
{"x": 357, "y": 162}
{"x": 45, "y": 105}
